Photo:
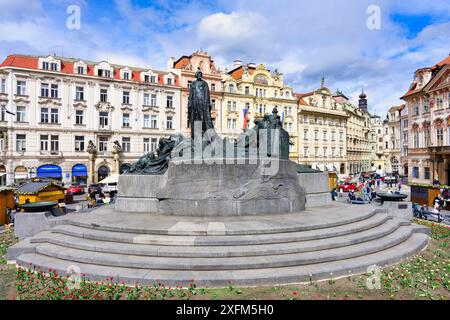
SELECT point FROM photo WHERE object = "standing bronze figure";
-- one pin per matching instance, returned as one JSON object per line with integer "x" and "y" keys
{"x": 199, "y": 104}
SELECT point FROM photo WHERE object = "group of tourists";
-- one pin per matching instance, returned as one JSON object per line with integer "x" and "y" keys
{"x": 103, "y": 198}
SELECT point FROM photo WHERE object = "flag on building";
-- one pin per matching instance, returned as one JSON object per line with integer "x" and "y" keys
{"x": 245, "y": 118}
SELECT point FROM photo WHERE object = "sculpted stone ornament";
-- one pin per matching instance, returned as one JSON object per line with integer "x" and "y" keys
{"x": 117, "y": 148}
{"x": 91, "y": 148}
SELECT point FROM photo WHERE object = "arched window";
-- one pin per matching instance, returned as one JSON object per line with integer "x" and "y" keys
{"x": 102, "y": 172}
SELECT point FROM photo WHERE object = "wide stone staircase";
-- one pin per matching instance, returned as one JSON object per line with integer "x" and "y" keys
{"x": 319, "y": 243}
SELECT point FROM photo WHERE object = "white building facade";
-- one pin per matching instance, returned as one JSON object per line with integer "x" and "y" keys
{"x": 55, "y": 110}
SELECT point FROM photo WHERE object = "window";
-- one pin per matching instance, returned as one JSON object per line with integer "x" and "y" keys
{"x": 213, "y": 104}
{"x": 316, "y": 152}
{"x": 79, "y": 143}
{"x": 169, "y": 81}
{"x": 146, "y": 121}
{"x": 3, "y": 113}
{"x": 415, "y": 172}
{"x": 54, "y": 143}
{"x": 169, "y": 102}
{"x": 146, "y": 78}
{"x": 54, "y": 91}
{"x": 416, "y": 140}
{"x": 415, "y": 110}
{"x": 426, "y": 105}
{"x": 305, "y": 134}
{"x": 21, "y": 88}
{"x": 44, "y": 142}
{"x": 247, "y": 90}
{"x": 45, "y": 65}
{"x": 126, "y": 120}
{"x": 54, "y": 66}
{"x": 426, "y": 138}
{"x": 333, "y": 136}
{"x": 305, "y": 119}
{"x": 169, "y": 123}
{"x": 153, "y": 100}
{"x": 146, "y": 145}
{"x": 44, "y": 115}
{"x": 103, "y": 119}
{"x": 341, "y": 136}
{"x": 3, "y": 86}
{"x": 126, "y": 144}
{"x": 325, "y": 152}
{"x": 439, "y": 102}
{"x": 54, "y": 115}
{"x": 80, "y": 70}
{"x": 231, "y": 124}
{"x": 152, "y": 79}
{"x": 79, "y": 93}
{"x": 103, "y": 95}
{"x": 189, "y": 83}
{"x": 126, "y": 97}
{"x": 341, "y": 152}
{"x": 305, "y": 152}
{"x": 213, "y": 87}
{"x": 316, "y": 134}
{"x": 427, "y": 172}
{"x": 333, "y": 152}
{"x": 325, "y": 134}
{"x": 21, "y": 142}
{"x": 386, "y": 145}
{"x": 440, "y": 136}
{"x": 79, "y": 114}
{"x": 126, "y": 76}
{"x": 21, "y": 114}
{"x": 154, "y": 121}
{"x": 231, "y": 88}
{"x": 154, "y": 144}
{"x": 104, "y": 73}
{"x": 103, "y": 144}
{"x": 146, "y": 99}
{"x": 44, "y": 90}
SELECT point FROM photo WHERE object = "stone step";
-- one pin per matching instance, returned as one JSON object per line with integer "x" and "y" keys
{"x": 225, "y": 240}
{"x": 225, "y": 263}
{"x": 245, "y": 225}
{"x": 218, "y": 278}
{"x": 294, "y": 246}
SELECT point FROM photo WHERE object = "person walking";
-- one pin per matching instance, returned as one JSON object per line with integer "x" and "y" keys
{"x": 92, "y": 199}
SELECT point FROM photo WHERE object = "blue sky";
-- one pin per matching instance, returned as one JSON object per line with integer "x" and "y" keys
{"x": 303, "y": 39}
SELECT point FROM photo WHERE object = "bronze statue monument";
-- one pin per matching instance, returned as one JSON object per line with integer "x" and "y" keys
{"x": 199, "y": 104}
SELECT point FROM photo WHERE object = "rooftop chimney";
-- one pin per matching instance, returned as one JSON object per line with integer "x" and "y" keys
{"x": 237, "y": 63}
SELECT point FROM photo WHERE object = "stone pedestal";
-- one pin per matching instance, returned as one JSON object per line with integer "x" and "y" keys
{"x": 265, "y": 186}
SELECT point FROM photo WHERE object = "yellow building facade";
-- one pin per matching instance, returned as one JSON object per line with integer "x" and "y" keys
{"x": 256, "y": 89}
{"x": 322, "y": 131}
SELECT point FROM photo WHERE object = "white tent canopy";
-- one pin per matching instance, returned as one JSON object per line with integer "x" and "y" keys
{"x": 111, "y": 179}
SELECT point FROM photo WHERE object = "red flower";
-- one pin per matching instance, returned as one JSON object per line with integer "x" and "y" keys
{"x": 294, "y": 293}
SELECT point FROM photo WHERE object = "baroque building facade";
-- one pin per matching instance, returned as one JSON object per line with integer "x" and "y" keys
{"x": 249, "y": 92}
{"x": 428, "y": 104}
{"x": 322, "y": 130}
{"x": 78, "y": 120}
{"x": 378, "y": 153}
{"x": 360, "y": 139}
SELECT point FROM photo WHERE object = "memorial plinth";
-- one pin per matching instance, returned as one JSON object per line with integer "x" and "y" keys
{"x": 260, "y": 186}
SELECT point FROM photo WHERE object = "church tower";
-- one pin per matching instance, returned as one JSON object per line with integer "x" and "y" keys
{"x": 363, "y": 101}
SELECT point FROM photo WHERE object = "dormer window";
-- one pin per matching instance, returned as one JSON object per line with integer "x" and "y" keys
{"x": 153, "y": 79}
{"x": 147, "y": 78}
{"x": 169, "y": 81}
{"x": 80, "y": 70}
{"x": 54, "y": 66}
{"x": 126, "y": 76}
{"x": 104, "y": 73}
{"x": 45, "y": 65}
